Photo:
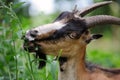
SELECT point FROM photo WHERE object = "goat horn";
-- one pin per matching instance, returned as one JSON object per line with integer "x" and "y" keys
{"x": 101, "y": 19}
{"x": 87, "y": 10}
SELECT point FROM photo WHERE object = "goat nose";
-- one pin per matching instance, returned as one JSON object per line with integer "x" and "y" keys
{"x": 30, "y": 35}
{"x": 33, "y": 33}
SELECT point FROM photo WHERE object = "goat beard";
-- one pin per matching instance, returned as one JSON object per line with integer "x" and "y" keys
{"x": 32, "y": 47}
{"x": 42, "y": 57}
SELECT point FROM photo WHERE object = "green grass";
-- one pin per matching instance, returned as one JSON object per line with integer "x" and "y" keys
{"x": 17, "y": 64}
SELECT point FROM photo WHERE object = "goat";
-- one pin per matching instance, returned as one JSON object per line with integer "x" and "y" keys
{"x": 70, "y": 33}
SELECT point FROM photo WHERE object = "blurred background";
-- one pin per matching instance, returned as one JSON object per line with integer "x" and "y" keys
{"x": 16, "y": 16}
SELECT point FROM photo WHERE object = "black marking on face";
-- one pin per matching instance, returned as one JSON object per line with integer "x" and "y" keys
{"x": 74, "y": 25}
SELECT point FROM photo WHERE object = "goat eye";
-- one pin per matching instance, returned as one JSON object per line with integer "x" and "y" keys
{"x": 73, "y": 35}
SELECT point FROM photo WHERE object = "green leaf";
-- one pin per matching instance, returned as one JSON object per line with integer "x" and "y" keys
{"x": 17, "y": 5}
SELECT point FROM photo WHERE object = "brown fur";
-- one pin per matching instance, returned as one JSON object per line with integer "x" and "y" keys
{"x": 75, "y": 67}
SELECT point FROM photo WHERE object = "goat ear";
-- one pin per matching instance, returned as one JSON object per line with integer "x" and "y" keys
{"x": 94, "y": 36}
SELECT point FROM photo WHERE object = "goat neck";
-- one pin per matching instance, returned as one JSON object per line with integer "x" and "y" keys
{"x": 73, "y": 68}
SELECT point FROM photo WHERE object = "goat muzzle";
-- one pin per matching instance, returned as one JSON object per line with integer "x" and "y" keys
{"x": 28, "y": 45}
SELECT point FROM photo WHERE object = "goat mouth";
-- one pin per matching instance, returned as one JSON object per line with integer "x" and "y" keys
{"x": 30, "y": 46}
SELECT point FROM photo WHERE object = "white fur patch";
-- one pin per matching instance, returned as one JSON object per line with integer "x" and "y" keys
{"x": 49, "y": 27}
{"x": 45, "y": 29}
